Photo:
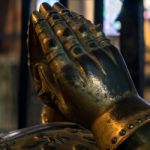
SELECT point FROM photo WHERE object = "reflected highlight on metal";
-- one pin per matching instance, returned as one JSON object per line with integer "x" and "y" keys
{"x": 78, "y": 73}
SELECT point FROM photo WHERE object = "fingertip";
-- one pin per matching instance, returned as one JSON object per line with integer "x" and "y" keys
{"x": 36, "y": 17}
{"x": 58, "y": 7}
{"x": 44, "y": 7}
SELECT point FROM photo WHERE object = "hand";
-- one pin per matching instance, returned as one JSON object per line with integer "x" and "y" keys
{"x": 75, "y": 63}
{"x": 71, "y": 59}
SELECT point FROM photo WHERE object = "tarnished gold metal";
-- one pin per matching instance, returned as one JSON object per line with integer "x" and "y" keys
{"x": 50, "y": 115}
{"x": 54, "y": 136}
{"x": 77, "y": 71}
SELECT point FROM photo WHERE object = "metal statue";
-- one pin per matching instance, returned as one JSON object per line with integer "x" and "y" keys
{"x": 53, "y": 136}
{"x": 81, "y": 77}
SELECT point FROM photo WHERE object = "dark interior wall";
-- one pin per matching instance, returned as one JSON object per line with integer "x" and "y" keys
{"x": 132, "y": 40}
{"x": 99, "y": 7}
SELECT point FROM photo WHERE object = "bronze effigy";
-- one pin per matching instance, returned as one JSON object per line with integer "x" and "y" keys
{"x": 81, "y": 77}
{"x": 53, "y": 136}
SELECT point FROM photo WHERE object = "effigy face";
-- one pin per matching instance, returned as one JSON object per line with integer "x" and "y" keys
{"x": 54, "y": 136}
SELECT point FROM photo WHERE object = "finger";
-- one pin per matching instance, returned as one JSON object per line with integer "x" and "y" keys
{"x": 35, "y": 56}
{"x": 77, "y": 26}
{"x": 90, "y": 35}
{"x": 60, "y": 27}
{"x": 63, "y": 32}
{"x": 95, "y": 30}
{"x": 39, "y": 69}
{"x": 52, "y": 48}
{"x": 35, "y": 51}
{"x": 104, "y": 43}
{"x": 86, "y": 36}
{"x": 87, "y": 33}
{"x": 63, "y": 69}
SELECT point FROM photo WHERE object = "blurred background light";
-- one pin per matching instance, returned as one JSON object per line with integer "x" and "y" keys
{"x": 111, "y": 11}
{"x": 51, "y": 2}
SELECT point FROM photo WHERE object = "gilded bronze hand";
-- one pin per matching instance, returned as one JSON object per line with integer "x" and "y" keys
{"x": 73, "y": 62}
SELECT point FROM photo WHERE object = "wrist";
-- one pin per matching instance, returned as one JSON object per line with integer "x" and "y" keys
{"x": 120, "y": 121}
{"x": 139, "y": 140}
